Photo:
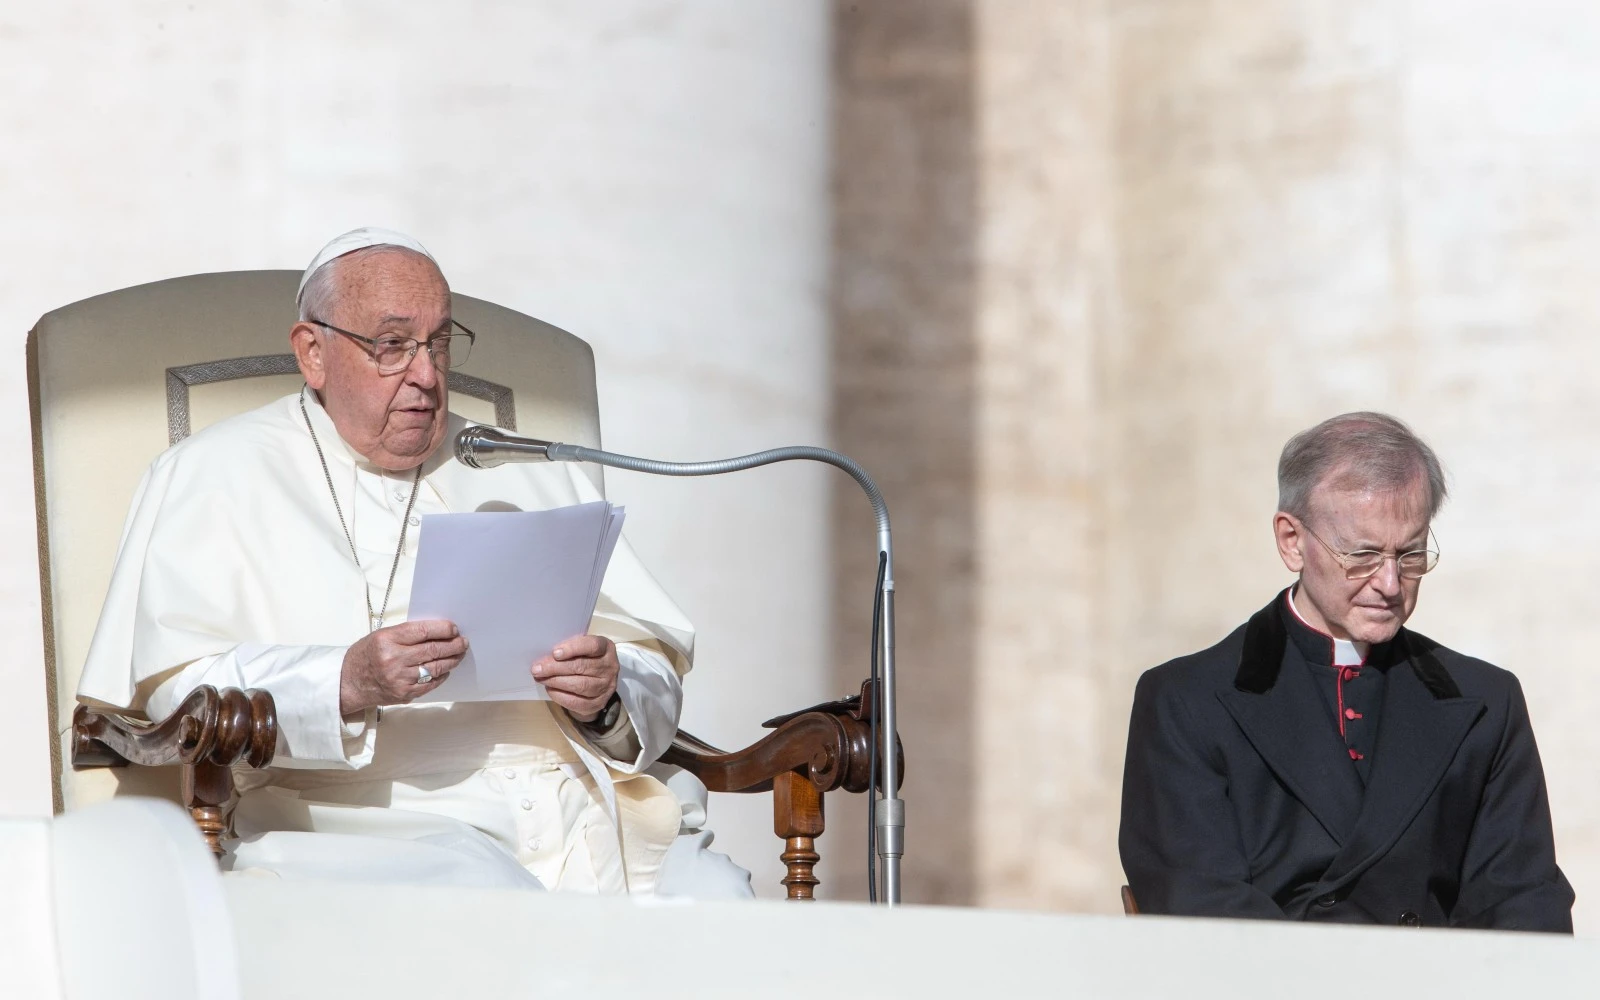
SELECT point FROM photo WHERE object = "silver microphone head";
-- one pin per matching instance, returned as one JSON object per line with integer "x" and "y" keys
{"x": 467, "y": 446}
{"x": 484, "y": 447}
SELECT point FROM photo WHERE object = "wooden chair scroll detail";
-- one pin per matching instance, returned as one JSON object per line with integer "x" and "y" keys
{"x": 206, "y": 735}
{"x": 809, "y": 752}
{"x": 816, "y": 750}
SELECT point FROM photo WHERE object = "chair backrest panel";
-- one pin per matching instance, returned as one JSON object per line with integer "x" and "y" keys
{"x": 101, "y": 386}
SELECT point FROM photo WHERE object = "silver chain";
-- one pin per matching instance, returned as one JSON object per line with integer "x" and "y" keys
{"x": 374, "y": 620}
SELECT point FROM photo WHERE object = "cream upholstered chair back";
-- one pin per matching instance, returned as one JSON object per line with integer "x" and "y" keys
{"x": 115, "y": 379}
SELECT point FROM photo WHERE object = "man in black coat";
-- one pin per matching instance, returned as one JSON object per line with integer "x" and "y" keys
{"x": 1325, "y": 763}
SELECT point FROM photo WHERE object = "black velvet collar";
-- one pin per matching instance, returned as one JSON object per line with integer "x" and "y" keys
{"x": 1267, "y": 636}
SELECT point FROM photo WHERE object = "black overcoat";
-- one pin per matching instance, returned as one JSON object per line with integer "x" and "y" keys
{"x": 1239, "y": 798}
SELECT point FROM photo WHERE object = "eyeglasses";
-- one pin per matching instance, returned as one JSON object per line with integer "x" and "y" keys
{"x": 394, "y": 354}
{"x": 1363, "y": 563}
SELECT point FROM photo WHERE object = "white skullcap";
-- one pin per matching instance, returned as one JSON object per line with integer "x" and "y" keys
{"x": 357, "y": 239}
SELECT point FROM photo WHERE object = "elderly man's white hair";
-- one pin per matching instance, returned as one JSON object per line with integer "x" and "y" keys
{"x": 316, "y": 285}
{"x": 1362, "y": 450}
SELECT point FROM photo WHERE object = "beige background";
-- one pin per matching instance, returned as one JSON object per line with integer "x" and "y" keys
{"x": 1095, "y": 261}
{"x": 1082, "y": 267}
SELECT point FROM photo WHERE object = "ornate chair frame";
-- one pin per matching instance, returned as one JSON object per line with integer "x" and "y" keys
{"x": 809, "y": 753}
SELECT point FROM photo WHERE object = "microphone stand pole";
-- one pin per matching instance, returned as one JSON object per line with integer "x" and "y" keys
{"x": 484, "y": 447}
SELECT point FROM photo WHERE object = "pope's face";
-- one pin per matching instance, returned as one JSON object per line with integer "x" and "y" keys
{"x": 1370, "y": 610}
{"x": 397, "y": 420}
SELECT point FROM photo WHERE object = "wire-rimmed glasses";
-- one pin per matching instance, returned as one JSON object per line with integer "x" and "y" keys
{"x": 1363, "y": 563}
{"x": 393, "y": 353}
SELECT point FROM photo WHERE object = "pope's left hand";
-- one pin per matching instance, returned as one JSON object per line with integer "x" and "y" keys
{"x": 580, "y": 674}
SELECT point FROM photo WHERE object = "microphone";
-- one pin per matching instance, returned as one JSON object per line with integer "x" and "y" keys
{"x": 483, "y": 447}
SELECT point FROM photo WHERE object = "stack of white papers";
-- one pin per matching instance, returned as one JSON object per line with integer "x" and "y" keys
{"x": 516, "y": 583}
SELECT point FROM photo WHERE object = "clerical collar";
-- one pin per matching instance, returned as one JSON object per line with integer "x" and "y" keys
{"x": 1317, "y": 645}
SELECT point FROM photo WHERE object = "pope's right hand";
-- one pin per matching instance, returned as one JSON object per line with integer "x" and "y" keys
{"x": 382, "y": 669}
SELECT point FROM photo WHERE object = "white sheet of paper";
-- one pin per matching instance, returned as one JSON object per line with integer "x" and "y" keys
{"x": 608, "y": 544}
{"x": 516, "y": 583}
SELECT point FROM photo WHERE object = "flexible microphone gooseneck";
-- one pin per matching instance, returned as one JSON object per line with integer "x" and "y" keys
{"x": 483, "y": 447}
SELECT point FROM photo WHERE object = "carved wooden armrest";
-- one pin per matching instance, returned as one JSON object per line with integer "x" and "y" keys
{"x": 830, "y": 744}
{"x": 205, "y": 735}
{"x": 224, "y": 727}
{"x": 809, "y": 752}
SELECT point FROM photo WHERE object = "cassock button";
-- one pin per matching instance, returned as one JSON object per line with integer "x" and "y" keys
{"x": 1410, "y": 919}
{"x": 413, "y": 520}
{"x": 510, "y": 773}
{"x": 527, "y": 804}
{"x": 400, "y": 495}
{"x": 534, "y": 843}
{"x": 1327, "y": 901}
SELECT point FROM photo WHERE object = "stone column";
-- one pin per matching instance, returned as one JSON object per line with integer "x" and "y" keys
{"x": 904, "y": 370}
{"x": 1045, "y": 323}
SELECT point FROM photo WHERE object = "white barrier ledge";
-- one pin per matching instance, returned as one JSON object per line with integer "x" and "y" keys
{"x": 309, "y": 940}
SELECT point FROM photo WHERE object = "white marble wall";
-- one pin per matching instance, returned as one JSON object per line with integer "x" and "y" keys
{"x": 648, "y": 174}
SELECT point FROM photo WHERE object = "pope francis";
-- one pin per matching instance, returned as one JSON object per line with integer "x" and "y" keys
{"x": 275, "y": 550}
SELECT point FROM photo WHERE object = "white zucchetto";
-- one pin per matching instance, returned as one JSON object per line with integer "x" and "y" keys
{"x": 357, "y": 239}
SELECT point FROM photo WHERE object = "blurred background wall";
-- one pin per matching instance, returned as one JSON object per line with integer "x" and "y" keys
{"x": 1063, "y": 275}
{"x": 1095, "y": 262}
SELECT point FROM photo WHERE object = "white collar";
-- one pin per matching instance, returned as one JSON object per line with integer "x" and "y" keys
{"x": 1345, "y": 653}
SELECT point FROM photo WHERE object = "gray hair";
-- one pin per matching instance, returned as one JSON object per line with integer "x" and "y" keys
{"x": 1356, "y": 451}
{"x": 321, "y": 294}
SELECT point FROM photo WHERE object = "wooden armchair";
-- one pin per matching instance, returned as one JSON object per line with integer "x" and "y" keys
{"x": 147, "y": 365}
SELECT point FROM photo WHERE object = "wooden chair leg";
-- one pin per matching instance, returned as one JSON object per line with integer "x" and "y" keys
{"x": 206, "y": 789}
{"x": 797, "y": 818}
{"x": 1130, "y": 906}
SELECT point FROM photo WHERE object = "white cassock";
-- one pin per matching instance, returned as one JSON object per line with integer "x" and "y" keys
{"x": 234, "y": 571}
